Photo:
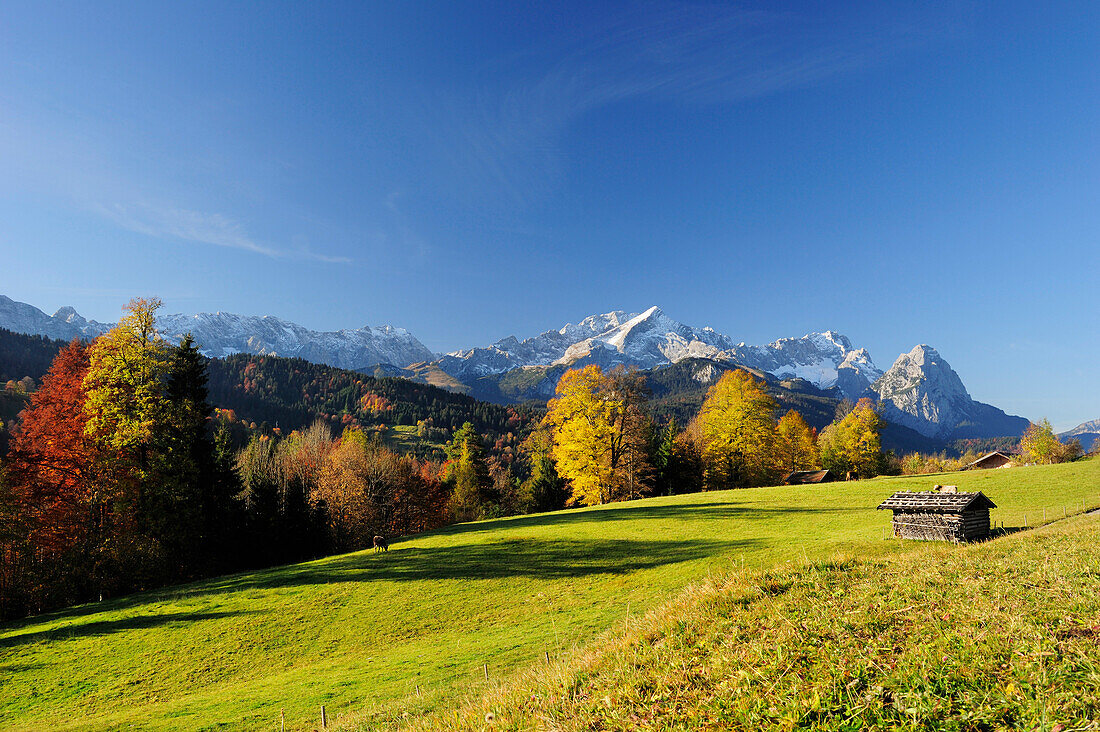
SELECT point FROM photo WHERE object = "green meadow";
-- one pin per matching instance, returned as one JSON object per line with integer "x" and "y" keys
{"x": 380, "y": 639}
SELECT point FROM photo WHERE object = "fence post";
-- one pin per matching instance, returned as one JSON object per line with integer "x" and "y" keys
{"x": 282, "y": 720}
{"x": 324, "y": 720}
{"x": 546, "y": 654}
{"x": 486, "y": 667}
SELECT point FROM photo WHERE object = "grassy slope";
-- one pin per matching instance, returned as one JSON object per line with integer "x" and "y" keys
{"x": 362, "y": 630}
{"x": 1001, "y": 635}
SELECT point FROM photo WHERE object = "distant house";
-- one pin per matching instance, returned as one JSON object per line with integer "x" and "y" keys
{"x": 803, "y": 477}
{"x": 992, "y": 460}
{"x": 940, "y": 516}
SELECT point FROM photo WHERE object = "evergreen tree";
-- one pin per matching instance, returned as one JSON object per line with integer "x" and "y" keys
{"x": 545, "y": 490}
{"x": 472, "y": 493}
{"x": 664, "y": 458}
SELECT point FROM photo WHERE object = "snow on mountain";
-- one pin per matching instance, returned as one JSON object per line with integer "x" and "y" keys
{"x": 223, "y": 334}
{"x": 921, "y": 391}
{"x": 1091, "y": 427}
{"x": 1087, "y": 433}
{"x": 644, "y": 340}
{"x": 824, "y": 359}
{"x": 651, "y": 339}
{"x": 65, "y": 324}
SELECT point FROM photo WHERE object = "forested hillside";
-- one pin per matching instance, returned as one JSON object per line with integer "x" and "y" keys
{"x": 25, "y": 355}
{"x": 291, "y": 393}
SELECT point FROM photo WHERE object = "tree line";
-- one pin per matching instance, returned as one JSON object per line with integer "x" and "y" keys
{"x": 119, "y": 477}
{"x": 602, "y": 439}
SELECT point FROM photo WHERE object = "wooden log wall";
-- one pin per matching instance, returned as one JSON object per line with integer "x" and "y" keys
{"x": 928, "y": 526}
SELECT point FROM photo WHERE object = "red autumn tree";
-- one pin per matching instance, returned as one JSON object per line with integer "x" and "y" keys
{"x": 49, "y": 462}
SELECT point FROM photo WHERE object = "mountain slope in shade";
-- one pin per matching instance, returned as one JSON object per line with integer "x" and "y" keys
{"x": 223, "y": 334}
{"x": 921, "y": 391}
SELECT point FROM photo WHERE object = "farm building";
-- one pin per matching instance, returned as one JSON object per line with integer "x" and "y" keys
{"x": 803, "y": 477}
{"x": 940, "y": 516}
{"x": 992, "y": 460}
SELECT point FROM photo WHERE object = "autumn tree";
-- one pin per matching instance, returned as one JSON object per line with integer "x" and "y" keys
{"x": 853, "y": 445}
{"x": 127, "y": 366}
{"x": 51, "y": 487}
{"x": 796, "y": 444}
{"x": 738, "y": 432}
{"x": 1040, "y": 445}
{"x": 602, "y": 434}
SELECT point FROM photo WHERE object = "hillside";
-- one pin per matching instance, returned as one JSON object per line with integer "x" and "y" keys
{"x": 360, "y": 632}
{"x": 1002, "y": 635}
{"x": 291, "y": 393}
{"x": 25, "y": 355}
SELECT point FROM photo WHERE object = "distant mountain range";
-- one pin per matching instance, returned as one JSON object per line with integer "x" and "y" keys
{"x": 223, "y": 334}
{"x": 1087, "y": 432}
{"x": 919, "y": 392}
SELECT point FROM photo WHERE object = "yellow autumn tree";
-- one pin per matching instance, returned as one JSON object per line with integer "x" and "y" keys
{"x": 125, "y": 401}
{"x": 853, "y": 445}
{"x": 737, "y": 429}
{"x": 796, "y": 444}
{"x": 600, "y": 438}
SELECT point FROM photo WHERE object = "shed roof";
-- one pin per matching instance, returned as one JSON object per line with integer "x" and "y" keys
{"x": 988, "y": 456}
{"x": 935, "y": 502}
{"x": 809, "y": 476}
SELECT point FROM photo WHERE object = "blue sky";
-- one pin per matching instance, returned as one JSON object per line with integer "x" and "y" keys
{"x": 900, "y": 172}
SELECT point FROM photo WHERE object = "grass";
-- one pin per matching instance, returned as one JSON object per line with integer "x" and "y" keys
{"x": 360, "y": 632}
{"x": 999, "y": 636}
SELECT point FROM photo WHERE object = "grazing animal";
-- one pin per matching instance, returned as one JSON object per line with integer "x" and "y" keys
{"x": 380, "y": 544}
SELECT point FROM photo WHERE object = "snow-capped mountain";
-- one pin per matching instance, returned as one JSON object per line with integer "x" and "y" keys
{"x": 644, "y": 340}
{"x": 223, "y": 334}
{"x": 65, "y": 324}
{"x": 651, "y": 338}
{"x": 921, "y": 391}
{"x": 1086, "y": 432}
{"x": 824, "y": 359}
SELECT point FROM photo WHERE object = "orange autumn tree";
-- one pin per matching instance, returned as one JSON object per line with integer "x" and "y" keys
{"x": 49, "y": 462}
{"x": 51, "y": 482}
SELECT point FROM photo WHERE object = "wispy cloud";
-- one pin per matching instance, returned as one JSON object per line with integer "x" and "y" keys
{"x": 199, "y": 227}
{"x": 504, "y": 139}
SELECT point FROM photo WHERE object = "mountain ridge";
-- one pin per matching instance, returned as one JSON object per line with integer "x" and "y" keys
{"x": 920, "y": 391}
{"x": 224, "y": 334}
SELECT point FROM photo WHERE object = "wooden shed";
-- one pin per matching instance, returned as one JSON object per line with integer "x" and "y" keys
{"x": 991, "y": 460}
{"x": 803, "y": 477}
{"x": 940, "y": 516}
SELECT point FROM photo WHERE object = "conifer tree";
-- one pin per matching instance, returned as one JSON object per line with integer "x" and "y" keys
{"x": 472, "y": 494}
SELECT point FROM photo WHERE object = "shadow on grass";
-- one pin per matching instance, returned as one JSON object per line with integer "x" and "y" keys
{"x": 106, "y": 627}
{"x": 530, "y": 558}
{"x": 713, "y": 511}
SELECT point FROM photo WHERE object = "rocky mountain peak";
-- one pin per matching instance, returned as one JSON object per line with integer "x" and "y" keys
{"x": 923, "y": 392}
